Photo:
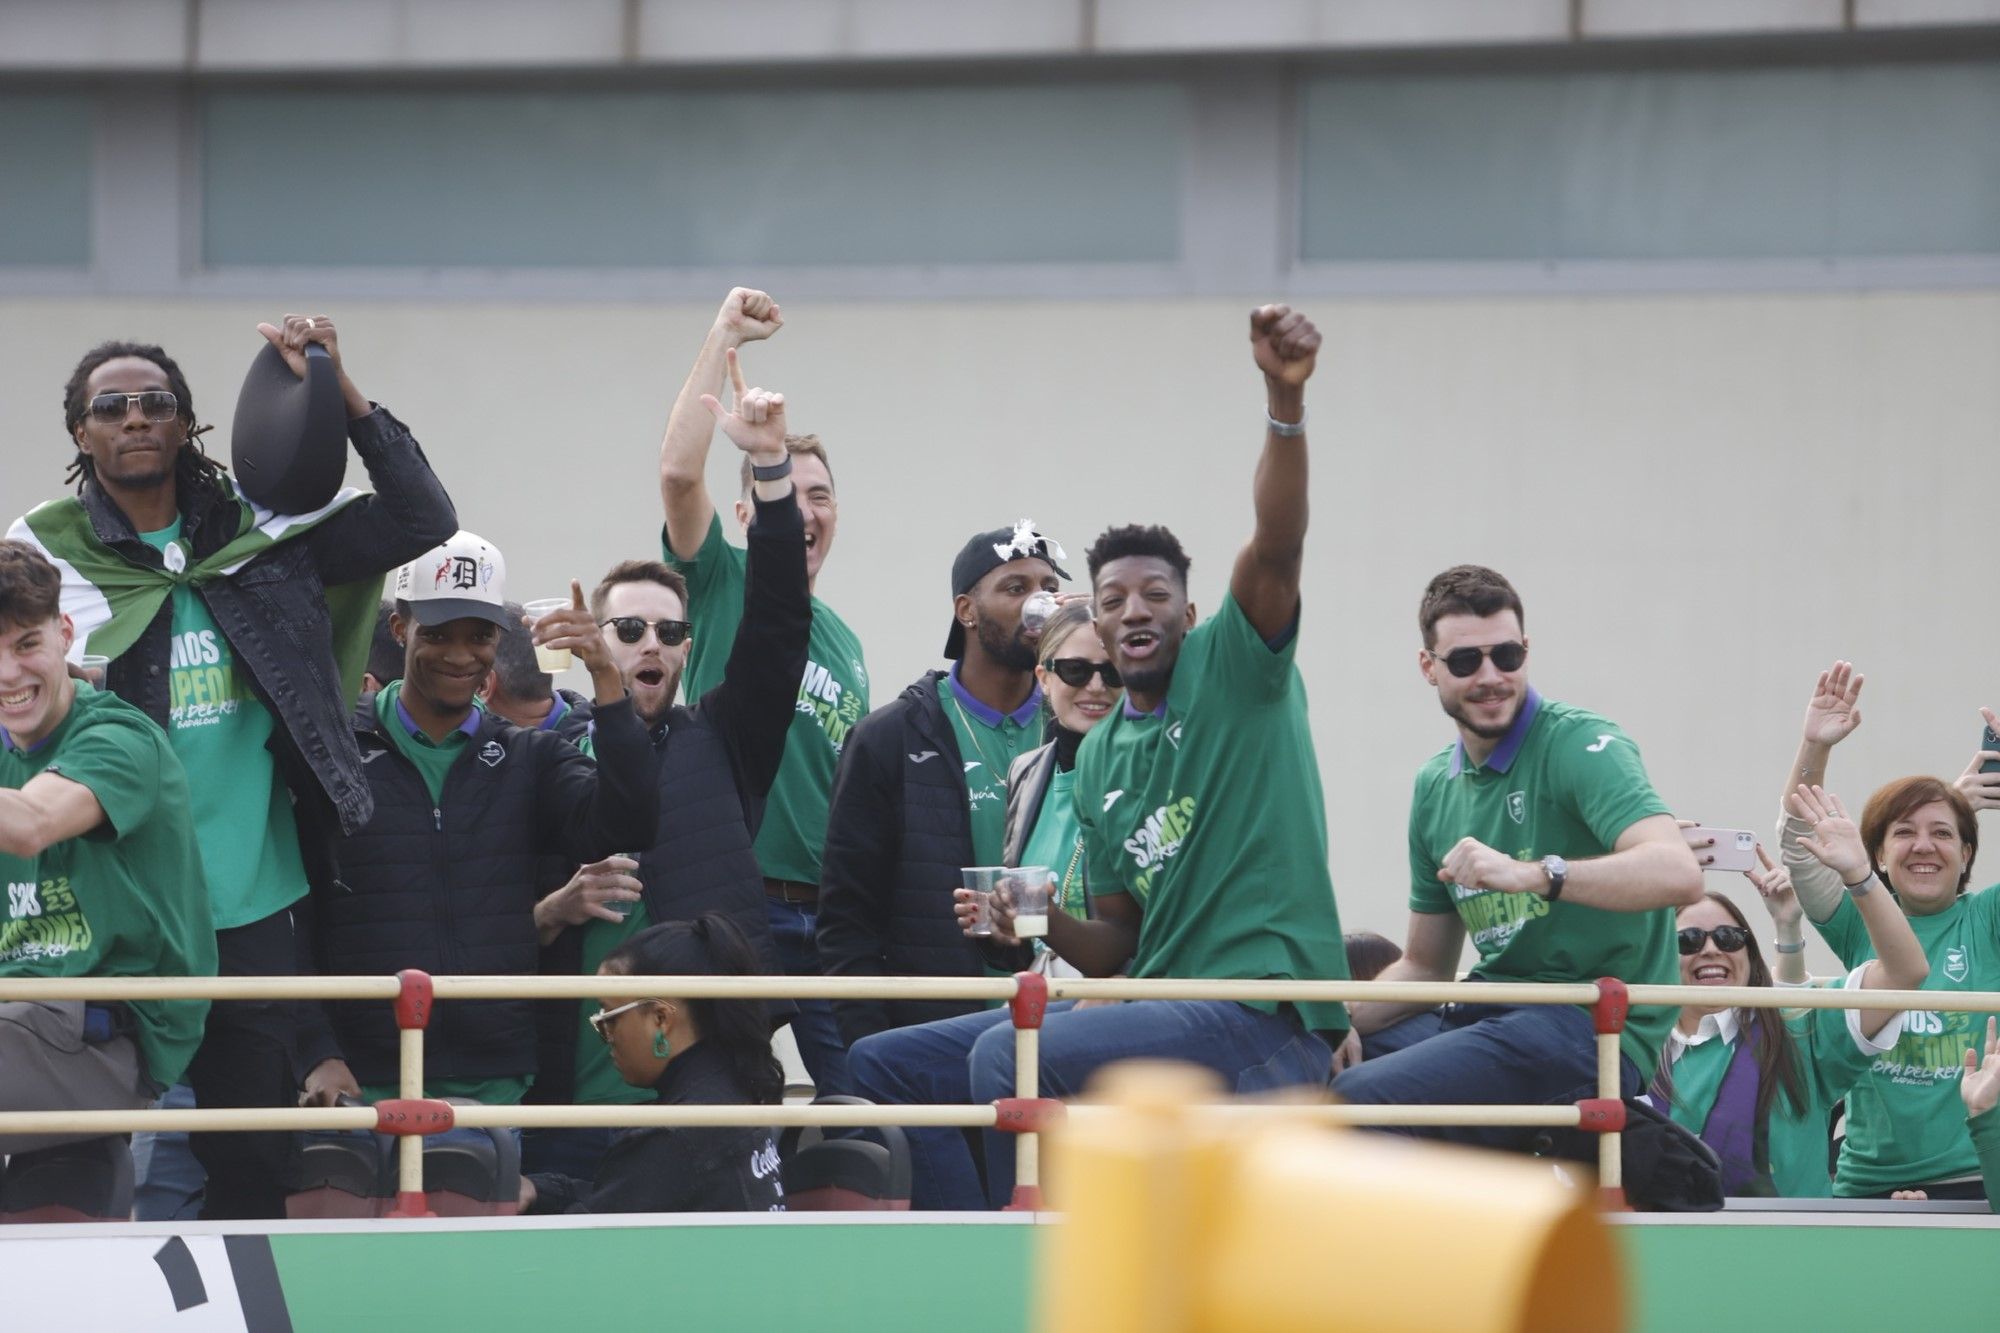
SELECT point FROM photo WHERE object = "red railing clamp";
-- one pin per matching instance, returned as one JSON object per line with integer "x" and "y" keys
{"x": 1601, "y": 1115}
{"x": 413, "y": 1115}
{"x": 1612, "y": 1005}
{"x": 413, "y": 1001}
{"x": 1031, "y": 999}
{"x": 1027, "y": 1115}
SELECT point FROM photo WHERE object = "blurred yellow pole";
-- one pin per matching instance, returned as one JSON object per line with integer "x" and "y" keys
{"x": 1181, "y": 1221}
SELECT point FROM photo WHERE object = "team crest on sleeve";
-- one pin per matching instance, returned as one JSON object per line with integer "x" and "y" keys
{"x": 1517, "y": 806}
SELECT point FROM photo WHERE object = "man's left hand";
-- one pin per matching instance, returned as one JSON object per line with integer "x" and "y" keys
{"x": 1474, "y": 865}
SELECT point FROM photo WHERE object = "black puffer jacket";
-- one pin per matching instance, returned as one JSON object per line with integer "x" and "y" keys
{"x": 692, "y": 1170}
{"x": 713, "y": 765}
{"x": 897, "y": 834}
{"x": 451, "y": 888}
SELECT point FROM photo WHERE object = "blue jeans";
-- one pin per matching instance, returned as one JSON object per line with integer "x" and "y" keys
{"x": 813, "y": 1028}
{"x": 1462, "y": 1054}
{"x": 168, "y": 1181}
{"x": 970, "y": 1059}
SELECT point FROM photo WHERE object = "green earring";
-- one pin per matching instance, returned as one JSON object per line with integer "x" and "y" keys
{"x": 661, "y": 1046}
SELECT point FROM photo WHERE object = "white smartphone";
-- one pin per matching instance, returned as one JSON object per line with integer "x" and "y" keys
{"x": 1735, "y": 848}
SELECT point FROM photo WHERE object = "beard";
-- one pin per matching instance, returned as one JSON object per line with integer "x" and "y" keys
{"x": 1012, "y": 651}
{"x": 654, "y": 705}
{"x": 1458, "y": 713}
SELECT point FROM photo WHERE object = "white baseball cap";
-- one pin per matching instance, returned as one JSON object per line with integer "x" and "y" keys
{"x": 464, "y": 577}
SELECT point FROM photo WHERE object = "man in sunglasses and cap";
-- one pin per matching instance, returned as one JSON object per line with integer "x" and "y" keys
{"x": 714, "y": 760}
{"x": 1538, "y": 833}
{"x": 443, "y": 876}
{"x": 921, "y": 791}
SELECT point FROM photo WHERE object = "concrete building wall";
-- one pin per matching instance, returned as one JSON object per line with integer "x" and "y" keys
{"x": 1704, "y": 499}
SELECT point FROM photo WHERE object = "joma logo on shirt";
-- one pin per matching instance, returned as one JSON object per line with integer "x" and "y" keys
{"x": 1162, "y": 833}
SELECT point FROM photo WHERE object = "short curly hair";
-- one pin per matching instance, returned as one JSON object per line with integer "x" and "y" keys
{"x": 1138, "y": 539}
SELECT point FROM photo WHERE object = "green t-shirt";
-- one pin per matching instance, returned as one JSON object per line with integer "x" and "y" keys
{"x": 597, "y": 1080}
{"x": 1833, "y": 1056}
{"x": 988, "y": 744}
{"x": 833, "y": 696}
{"x": 433, "y": 759}
{"x": 127, "y": 899}
{"x": 1212, "y": 817}
{"x": 220, "y": 730}
{"x": 1567, "y": 783}
{"x": 1056, "y": 841}
{"x": 1905, "y": 1123}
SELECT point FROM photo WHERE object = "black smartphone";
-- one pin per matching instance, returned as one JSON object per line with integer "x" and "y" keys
{"x": 1988, "y": 740}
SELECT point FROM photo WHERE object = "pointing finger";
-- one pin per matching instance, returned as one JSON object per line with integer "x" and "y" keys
{"x": 576, "y": 595}
{"x": 736, "y": 375}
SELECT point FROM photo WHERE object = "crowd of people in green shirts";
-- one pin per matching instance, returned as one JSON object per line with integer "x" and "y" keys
{"x": 169, "y": 806}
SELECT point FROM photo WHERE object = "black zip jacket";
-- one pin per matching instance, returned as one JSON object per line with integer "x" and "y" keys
{"x": 452, "y": 888}
{"x": 898, "y": 832}
{"x": 690, "y": 1170}
{"x": 273, "y": 612}
{"x": 713, "y": 766}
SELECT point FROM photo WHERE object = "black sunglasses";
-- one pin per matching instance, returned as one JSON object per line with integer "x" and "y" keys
{"x": 1729, "y": 939}
{"x": 631, "y": 629}
{"x": 1463, "y": 662}
{"x": 1076, "y": 672}
{"x": 154, "y": 405}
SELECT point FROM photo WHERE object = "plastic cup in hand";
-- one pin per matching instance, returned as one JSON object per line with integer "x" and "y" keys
{"x": 553, "y": 661}
{"x": 95, "y": 667}
{"x": 1027, "y": 890}
{"x": 623, "y": 906}
{"x": 983, "y": 880}
{"x": 1035, "y": 612}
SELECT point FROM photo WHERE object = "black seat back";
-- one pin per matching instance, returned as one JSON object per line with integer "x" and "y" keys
{"x": 869, "y": 1171}
{"x": 87, "y": 1181}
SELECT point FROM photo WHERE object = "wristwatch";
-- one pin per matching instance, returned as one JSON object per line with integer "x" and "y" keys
{"x": 1557, "y": 870}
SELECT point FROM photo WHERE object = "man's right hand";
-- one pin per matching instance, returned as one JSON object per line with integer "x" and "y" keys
{"x": 585, "y": 897}
{"x": 1835, "y": 708}
{"x": 748, "y": 316}
{"x": 328, "y": 1082}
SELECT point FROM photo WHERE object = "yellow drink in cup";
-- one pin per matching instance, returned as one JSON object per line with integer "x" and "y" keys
{"x": 554, "y": 661}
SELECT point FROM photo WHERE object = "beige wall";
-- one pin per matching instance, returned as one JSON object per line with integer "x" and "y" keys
{"x": 1702, "y": 499}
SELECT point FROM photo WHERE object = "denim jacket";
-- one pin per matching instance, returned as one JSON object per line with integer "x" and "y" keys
{"x": 273, "y": 612}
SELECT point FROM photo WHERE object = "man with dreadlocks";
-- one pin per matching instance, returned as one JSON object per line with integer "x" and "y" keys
{"x": 243, "y": 634}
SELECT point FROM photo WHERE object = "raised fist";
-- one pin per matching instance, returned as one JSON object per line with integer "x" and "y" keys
{"x": 749, "y": 314}
{"x": 1284, "y": 343}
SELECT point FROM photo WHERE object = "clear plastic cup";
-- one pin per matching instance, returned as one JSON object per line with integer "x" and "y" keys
{"x": 1035, "y": 612}
{"x": 553, "y": 661}
{"x": 1027, "y": 889}
{"x": 623, "y": 906}
{"x": 983, "y": 880}
{"x": 96, "y": 667}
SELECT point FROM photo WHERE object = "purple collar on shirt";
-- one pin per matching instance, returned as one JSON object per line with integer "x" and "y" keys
{"x": 470, "y": 726}
{"x": 549, "y": 722}
{"x": 993, "y": 717}
{"x": 1131, "y": 712}
{"x": 7, "y": 740}
{"x": 1503, "y": 754}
